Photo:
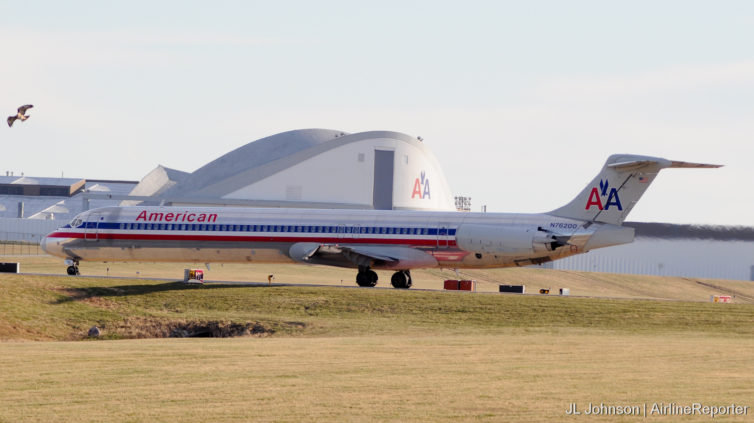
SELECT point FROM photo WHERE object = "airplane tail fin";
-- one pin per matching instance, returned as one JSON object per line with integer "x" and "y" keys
{"x": 618, "y": 187}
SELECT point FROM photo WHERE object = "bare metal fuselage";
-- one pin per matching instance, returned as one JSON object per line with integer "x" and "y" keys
{"x": 410, "y": 239}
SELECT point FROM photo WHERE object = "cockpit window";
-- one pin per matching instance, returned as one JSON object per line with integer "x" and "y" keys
{"x": 76, "y": 222}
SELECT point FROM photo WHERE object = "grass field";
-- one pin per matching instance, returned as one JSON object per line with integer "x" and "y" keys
{"x": 511, "y": 375}
{"x": 326, "y": 354}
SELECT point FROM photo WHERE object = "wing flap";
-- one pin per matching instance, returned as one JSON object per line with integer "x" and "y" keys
{"x": 375, "y": 256}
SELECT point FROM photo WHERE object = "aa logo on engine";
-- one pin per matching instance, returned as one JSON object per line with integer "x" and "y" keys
{"x": 421, "y": 187}
{"x": 597, "y": 195}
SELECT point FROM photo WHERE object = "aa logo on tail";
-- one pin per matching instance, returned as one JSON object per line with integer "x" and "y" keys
{"x": 421, "y": 187}
{"x": 596, "y": 196}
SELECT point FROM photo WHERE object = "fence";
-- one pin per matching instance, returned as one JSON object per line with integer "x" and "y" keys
{"x": 22, "y": 236}
{"x": 19, "y": 248}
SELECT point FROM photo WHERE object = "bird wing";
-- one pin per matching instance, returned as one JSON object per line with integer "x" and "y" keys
{"x": 11, "y": 119}
{"x": 24, "y": 108}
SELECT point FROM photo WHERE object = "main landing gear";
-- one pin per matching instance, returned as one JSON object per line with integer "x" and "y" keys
{"x": 401, "y": 279}
{"x": 73, "y": 268}
{"x": 368, "y": 278}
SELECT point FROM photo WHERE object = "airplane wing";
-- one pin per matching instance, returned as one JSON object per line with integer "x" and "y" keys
{"x": 379, "y": 257}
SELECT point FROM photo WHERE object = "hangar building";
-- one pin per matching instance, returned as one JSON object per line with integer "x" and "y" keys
{"x": 319, "y": 168}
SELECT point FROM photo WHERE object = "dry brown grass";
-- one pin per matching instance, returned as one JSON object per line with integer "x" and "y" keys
{"x": 368, "y": 355}
{"x": 513, "y": 375}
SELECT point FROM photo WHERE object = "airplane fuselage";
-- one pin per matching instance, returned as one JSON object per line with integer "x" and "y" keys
{"x": 227, "y": 234}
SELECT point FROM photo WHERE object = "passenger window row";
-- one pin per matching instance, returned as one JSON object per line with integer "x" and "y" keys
{"x": 276, "y": 228}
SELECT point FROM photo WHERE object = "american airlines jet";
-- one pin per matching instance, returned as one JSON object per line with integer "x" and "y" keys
{"x": 365, "y": 239}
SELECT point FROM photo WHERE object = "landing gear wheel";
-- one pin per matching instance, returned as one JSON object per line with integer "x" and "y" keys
{"x": 401, "y": 279}
{"x": 72, "y": 270}
{"x": 366, "y": 278}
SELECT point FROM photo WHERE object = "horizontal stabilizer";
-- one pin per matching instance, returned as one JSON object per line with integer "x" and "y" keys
{"x": 638, "y": 164}
{"x": 694, "y": 165}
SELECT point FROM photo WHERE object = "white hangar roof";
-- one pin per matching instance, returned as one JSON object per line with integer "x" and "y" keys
{"x": 322, "y": 168}
{"x": 252, "y": 162}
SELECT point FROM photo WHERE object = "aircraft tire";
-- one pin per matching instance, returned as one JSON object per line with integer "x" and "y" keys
{"x": 366, "y": 278}
{"x": 72, "y": 270}
{"x": 401, "y": 280}
{"x": 372, "y": 277}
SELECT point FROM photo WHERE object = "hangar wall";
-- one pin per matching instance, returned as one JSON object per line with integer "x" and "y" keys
{"x": 649, "y": 256}
{"x": 26, "y": 230}
{"x": 322, "y": 168}
{"x": 347, "y": 174}
{"x": 659, "y": 249}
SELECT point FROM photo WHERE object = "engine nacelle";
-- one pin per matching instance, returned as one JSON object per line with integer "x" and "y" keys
{"x": 505, "y": 240}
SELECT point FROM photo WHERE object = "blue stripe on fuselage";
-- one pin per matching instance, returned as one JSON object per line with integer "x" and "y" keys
{"x": 306, "y": 229}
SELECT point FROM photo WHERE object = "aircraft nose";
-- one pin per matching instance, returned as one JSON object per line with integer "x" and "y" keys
{"x": 52, "y": 246}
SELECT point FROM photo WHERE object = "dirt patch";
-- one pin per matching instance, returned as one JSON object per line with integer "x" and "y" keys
{"x": 139, "y": 328}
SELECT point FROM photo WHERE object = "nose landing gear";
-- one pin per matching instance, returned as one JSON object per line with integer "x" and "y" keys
{"x": 73, "y": 267}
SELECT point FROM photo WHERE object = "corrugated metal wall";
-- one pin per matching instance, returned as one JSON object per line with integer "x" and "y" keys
{"x": 697, "y": 258}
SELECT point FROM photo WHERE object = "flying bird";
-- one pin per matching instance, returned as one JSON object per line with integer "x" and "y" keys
{"x": 20, "y": 115}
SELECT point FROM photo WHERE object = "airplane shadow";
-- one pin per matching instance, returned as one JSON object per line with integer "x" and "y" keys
{"x": 78, "y": 294}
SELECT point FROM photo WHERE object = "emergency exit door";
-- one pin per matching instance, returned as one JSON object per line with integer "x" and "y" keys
{"x": 91, "y": 227}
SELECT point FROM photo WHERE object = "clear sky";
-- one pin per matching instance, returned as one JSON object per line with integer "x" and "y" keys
{"x": 521, "y": 101}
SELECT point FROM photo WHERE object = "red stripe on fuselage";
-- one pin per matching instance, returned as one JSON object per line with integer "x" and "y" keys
{"x": 237, "y": 238}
